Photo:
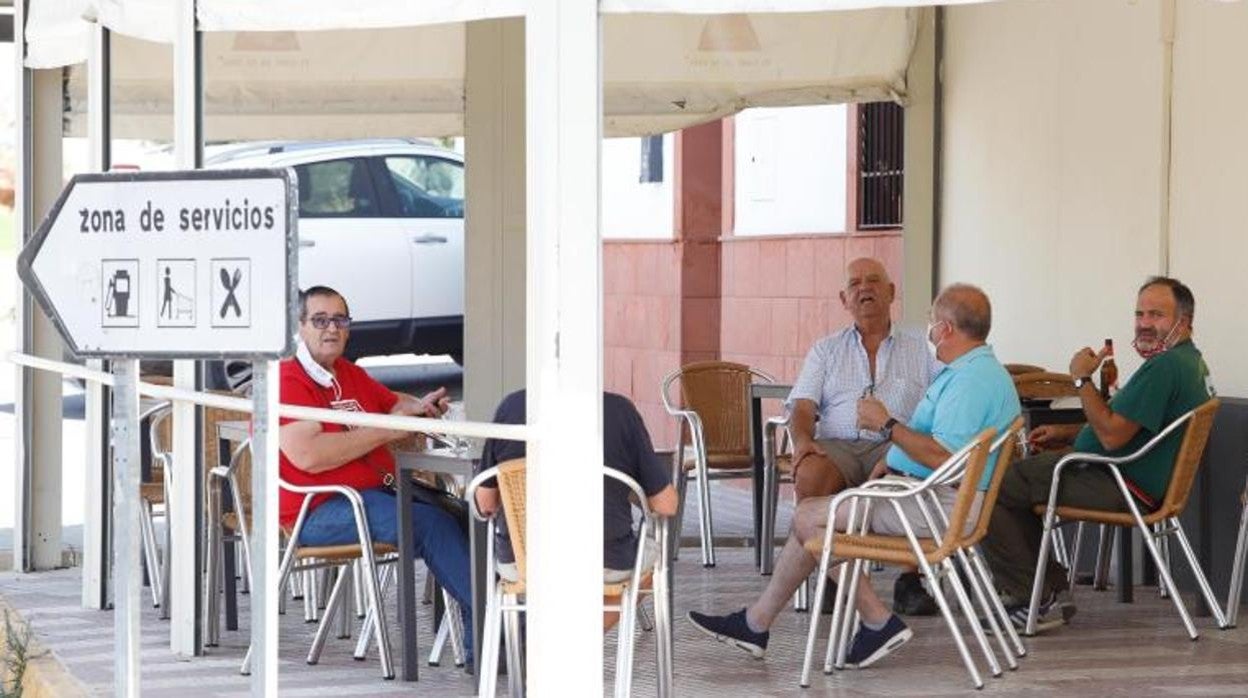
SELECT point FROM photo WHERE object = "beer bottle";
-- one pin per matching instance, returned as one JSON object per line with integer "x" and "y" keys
{"x": 1109, "y": 372}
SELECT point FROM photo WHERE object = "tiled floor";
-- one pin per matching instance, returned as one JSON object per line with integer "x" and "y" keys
{"x": 1111, "y": 649}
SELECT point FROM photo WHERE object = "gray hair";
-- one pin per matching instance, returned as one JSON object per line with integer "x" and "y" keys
{"x": 967, "y": 308}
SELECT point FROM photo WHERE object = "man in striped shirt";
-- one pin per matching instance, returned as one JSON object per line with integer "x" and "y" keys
{"x": 871, "y": 358}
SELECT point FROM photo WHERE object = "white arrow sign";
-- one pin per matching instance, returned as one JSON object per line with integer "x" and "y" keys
{"x": 194, "y": 264}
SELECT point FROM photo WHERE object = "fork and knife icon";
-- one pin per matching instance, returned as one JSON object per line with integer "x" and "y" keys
{"x": 230, "y": 282}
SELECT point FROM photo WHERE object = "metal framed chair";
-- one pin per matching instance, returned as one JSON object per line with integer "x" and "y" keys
{"x": 934, "y": 556}
{"x": 154, "y": 494}
{"x": 1237, "y": 570}
{"x": 715, "y": 422}
{"x": 777, "y": 468}
{"x": 1196, "y": 425}
{"x": 300, "y": 558}
{"x": 505, "y": 599}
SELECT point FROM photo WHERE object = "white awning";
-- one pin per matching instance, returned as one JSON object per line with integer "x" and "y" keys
{"x": 409, "y": 81}
{"x": 396, "y": 68}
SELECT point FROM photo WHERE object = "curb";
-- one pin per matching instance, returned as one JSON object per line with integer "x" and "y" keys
{"x": 46, "y": 676}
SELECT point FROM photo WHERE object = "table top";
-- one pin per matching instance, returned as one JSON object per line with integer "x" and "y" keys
{"x": 777, "y": 391}
{"x": 234, "y": 430}
{"x": 460, "y": 462}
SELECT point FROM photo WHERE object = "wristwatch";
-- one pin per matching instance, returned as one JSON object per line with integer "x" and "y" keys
{"x": 886, "y": 431}
{"x": 1080, "y": 382}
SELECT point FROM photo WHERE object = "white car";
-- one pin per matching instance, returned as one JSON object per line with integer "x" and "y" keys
{"x": 381, "y": 221}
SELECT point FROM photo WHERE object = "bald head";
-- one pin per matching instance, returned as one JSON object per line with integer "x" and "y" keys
{"x": 868, "y": 294}
{"x": 967, "y": 308}
{"x": 865, "y": 266}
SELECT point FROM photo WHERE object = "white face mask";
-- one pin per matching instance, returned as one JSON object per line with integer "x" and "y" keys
{"x": 318, "y": 373}
{"x": 932, "y": 346}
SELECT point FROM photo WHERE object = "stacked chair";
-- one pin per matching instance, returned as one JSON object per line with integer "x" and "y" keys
{"x": 958, "y": 539}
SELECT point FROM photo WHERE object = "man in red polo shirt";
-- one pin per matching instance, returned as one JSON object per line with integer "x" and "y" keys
{"x": 325, "y": 453}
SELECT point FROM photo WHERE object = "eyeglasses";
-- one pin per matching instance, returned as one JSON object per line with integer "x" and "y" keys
{"x": 321, "y": 322}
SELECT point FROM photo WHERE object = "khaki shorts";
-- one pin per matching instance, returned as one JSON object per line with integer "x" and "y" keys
{"x": 650, "y": 553}
{"x": 855, "y": 458}
{"x": 885, "y": 522}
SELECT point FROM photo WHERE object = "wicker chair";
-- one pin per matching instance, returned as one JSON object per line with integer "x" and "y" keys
{"x": 715, "y": 422}
{"x": 1041, "y": 385}
{"x": 232, "y": 523}
{"x": 504, "y": 602}
{"x": 1018, "y": 369}
{"x": 929, "y": 554}
{"x": 1153, "y": 526}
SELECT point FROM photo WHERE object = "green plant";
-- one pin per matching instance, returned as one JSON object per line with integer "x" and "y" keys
{"x": 16, "y": 654}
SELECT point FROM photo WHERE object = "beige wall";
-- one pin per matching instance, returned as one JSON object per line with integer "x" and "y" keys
{"x": 1052, "y": 169}
{"x": 1209, "y": 186}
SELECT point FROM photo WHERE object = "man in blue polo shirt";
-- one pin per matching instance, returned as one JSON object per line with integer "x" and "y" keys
{"x": 972, "y": 393}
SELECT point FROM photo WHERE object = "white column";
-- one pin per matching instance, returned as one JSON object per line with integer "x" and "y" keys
{"x": 922, "y": 168}
{"x": 185, "y": 580}
{"x": 494, "y": 279}
{"x": 94, "y": 524}
{"x": 37, "y": 399}
{"x": 564, "y": 126}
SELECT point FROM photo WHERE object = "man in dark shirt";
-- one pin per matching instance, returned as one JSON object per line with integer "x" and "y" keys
{"x": 626, "y": 447}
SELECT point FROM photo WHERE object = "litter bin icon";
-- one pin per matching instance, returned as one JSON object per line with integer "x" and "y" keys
{"x": 118, "y": 301}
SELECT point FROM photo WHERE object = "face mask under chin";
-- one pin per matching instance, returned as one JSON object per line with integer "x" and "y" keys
{"x": 1158, "y": 348}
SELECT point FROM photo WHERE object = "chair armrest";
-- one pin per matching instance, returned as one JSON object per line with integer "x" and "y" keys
{"x": 470, "y": 493}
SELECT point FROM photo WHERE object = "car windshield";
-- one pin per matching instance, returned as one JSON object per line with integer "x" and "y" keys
{"x": 428, "y": 187}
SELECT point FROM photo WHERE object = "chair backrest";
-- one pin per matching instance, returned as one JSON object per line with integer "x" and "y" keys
{"x": 1187, "y": 461}
{"x": 1005, "y": 446}
{"x": 719, "y": 392}
{"x": 1017, "y": 369}
{"x": 1044, "y": 386}
{"x": 212, "y": 450}
{"x": 511, "y": 490}
{"x": 968, "y": 489}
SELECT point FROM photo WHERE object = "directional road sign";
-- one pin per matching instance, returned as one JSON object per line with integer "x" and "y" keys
{"x": 194, "y": 264}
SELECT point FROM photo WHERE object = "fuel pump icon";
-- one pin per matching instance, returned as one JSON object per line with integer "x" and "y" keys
{"x": 117, "y": 304}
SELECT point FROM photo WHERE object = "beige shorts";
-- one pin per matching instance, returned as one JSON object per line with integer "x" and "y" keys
{"x": 885, "y": 522}
{"x": 650, "y": 553}
{"x": 855, "y": 458}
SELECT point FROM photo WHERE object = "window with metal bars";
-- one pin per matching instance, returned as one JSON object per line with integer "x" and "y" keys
{"x": 881, "y": 165}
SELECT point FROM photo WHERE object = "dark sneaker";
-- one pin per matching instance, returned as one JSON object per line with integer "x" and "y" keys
{"x": 910, "y": 598}
{"x": 732, "y": 630}
{"x": 1045, "y": 618}
{"x": 870, "y": 646}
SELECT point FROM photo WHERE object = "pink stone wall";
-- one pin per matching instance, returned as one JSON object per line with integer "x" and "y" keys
{"x": 780, "y": 294}
{"x": 641, "y": 325}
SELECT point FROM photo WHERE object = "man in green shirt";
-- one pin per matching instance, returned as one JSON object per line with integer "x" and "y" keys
{"x": 1172, "y": 381}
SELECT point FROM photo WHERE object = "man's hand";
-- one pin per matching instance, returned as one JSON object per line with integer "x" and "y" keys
{"x": 879, "y": 470}
{"x": 1085, "y": 362}
{"x": 872, "y": 414}
{"x": 435, "y": 403}
{"x": 1052, "y": 436}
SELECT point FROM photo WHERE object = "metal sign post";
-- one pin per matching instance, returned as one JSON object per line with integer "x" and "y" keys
{"x": 176, "y": 265}
{"x": 129, "y": 579}
{"x": 264, "y": 563}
